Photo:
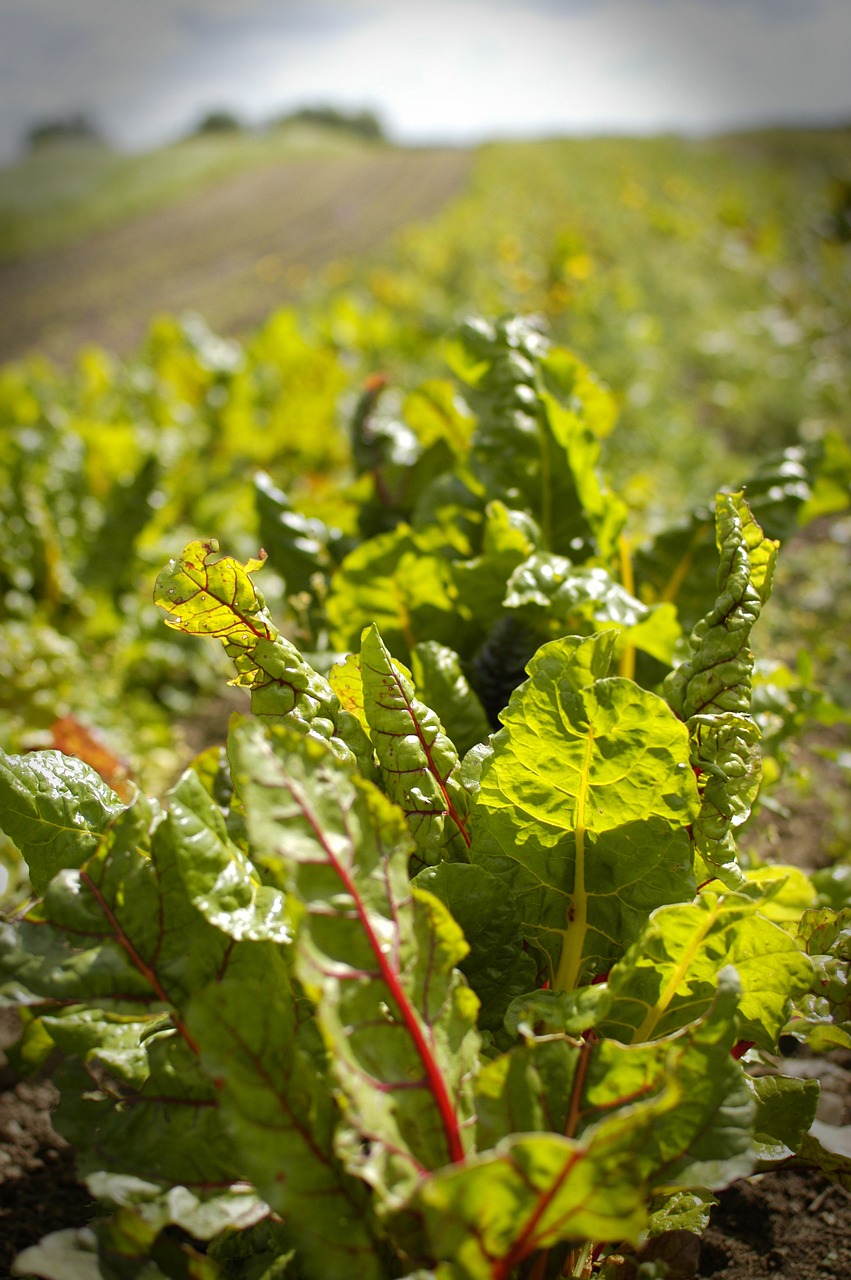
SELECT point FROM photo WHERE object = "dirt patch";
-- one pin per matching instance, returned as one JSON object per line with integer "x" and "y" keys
{"x": 232, "y": 253}
{"x": 39, "y": 1192}
{"x": 787, "y": 1225}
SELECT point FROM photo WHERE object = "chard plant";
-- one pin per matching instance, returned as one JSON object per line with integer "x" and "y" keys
{"x": 448, "y": 966}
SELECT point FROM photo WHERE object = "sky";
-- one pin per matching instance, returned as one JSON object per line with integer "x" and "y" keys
{"x": 434, "y": 70}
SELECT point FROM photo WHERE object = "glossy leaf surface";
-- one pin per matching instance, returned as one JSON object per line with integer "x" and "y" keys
{"x": 55, "y": 808}
{"x": 582, "y": 808}
{"x": 417, "y": 761}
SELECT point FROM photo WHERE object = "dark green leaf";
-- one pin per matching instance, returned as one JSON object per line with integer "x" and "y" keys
{"x": 55, "y": 808}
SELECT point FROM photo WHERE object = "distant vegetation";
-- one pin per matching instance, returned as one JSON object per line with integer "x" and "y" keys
{"x": 72, "y": 128}
{"x": 218, "y": 121}
{"x": 365, "y": 124}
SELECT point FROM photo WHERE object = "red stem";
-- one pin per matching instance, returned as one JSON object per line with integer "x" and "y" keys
{"x": 146, "y": 971}
{"x": 433, "y": 770}
{"x": 434, "y": 1077}
{"x": 520, "y": 1248}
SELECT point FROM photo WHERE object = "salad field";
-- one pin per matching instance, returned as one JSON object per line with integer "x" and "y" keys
{"x": 424, "y": 727}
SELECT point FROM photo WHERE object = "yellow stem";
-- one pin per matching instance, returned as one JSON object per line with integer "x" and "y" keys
{"x": 570, "y": 962}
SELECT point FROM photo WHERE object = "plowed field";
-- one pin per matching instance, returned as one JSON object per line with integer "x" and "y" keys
{"x": 232, "y": 252}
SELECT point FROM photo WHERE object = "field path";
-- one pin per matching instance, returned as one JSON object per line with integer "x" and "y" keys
{"x": 232, "y": 252}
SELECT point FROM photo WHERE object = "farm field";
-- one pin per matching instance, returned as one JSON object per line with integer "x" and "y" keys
{"x": 230, "y": 252}
{"x": 489, "y": 415}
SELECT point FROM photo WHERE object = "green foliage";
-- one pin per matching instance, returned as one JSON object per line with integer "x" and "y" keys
{"x": 379, "y": 990}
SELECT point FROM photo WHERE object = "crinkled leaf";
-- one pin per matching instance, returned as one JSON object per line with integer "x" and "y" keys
{"x": 219, "y": 599}
{"x": 580, "y": 598}
{"x": 442, "y": 685}
{"x": 717, "y": 677}
{"x": 263, "y": 1252}
{"x": 499, "y": 664}
{"x": 376, "y": 954}
{"x": 582, "y": 808}
{"x": 680, "y": 564}
{"x": 669, "y": 976}
{"x": 536, "y": 442}
{"x": 417, "y": 761}
{"x": 682, "y": 1211}
{"x": 122, "y": 928}
{"x": 822, "y": 1015}
{"x": 496, "y": 967}
{"x": 279, "y": 1111}
{"x": 711, "y": 690}
{"x": 220, "y": 880}
{"x": 55, "y": 808}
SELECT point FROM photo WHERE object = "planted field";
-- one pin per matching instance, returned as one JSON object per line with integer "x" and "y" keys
{"x": 232, "y": 252}
{"x": 482, "y": 942}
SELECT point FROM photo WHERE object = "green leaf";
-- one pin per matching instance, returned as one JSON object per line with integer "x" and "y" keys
{"x": 536, "y": 442}
{"x": 375, "y": 954}
{"x": 496, "y": 967}
{"x": 143, "y": 1213}
{"x": 442, "y": 685}
{"x": 402, "y": 582}
{"x": 219, "y": 879}
{"x": 55, "y": 808}
{"x": 583, "y": 806}
{"x": 682, "y": 1211}
{"x": 121, "y": 929}
{"x": 586, "y": 598}
{"x": 110, "y": 560}
{"x": 785, "y": 1109}
{"x": 279, "y": 1111}
{"x": 151, "y": 1113}
{"x": 816, "y": 1153}
{"x": 297, "y": 546}
{"x": 822, "y": 1015}
{"x": 219, "y": 599}
{"x": 670, "y": 975}
{"x": 635, "y": 1119}
{"x": 508, "y": 538}
{"x": 417, "y": 761}
{"x": 711, "y": 690}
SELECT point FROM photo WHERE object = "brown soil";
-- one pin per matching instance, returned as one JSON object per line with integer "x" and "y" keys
{"x": 786, "y": 1225}
{"x": 232, "y": 253}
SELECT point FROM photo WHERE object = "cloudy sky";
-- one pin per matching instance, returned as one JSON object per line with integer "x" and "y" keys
{"x": 453, "y": 70}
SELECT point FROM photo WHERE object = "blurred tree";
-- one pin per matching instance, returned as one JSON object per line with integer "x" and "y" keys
{"x": 218, "y": 121}
{"x": 77, "y": 127}
{"x": 365, "y": 124}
